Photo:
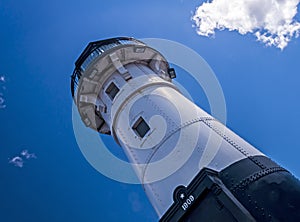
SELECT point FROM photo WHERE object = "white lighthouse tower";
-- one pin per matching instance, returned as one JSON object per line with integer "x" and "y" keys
{"x": 124, "y": 88}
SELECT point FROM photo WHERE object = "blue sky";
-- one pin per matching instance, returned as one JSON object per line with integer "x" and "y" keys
{"x": 40, "y": 41}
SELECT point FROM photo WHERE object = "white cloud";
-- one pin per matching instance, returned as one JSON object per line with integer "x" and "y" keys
{"x": 2, "y": 100}
{"x": 19, "y": 160}
{"x": 271, "y": 21}
{"x": 28, "y": 155}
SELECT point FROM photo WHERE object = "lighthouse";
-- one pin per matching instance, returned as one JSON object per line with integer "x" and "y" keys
{"x": 123, "y": 87}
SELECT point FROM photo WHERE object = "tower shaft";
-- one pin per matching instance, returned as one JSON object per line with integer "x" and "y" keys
{"x": 191, "y": 166}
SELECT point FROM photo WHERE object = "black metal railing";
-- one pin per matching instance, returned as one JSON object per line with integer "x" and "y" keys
{"x": 93, "y": 51}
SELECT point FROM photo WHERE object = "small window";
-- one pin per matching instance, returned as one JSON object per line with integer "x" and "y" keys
{"x": 112, "y": 91}
{"x": 141, "y": 127}
{"x": 172, "y": 73}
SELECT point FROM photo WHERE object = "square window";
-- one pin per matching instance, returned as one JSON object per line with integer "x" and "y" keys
{"x": 112, "y": 90}
{"x": 172, "y": 73}
{"x": 141, "y": 127}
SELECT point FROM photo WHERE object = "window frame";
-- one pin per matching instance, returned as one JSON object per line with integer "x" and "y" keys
{"x": 141, "y": 130}
{"x": 112, "y": 90}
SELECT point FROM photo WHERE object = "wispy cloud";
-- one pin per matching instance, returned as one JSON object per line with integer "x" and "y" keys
{"x": 28, "y": 155}
{"x": 2, "y": 100}
{"x": 2, "y": 78}
{"x": 271, "y": 21}
{"x": 19, "y": 160}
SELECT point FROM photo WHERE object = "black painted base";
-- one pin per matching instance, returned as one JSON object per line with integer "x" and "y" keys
{"x": 253, "y": 189}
